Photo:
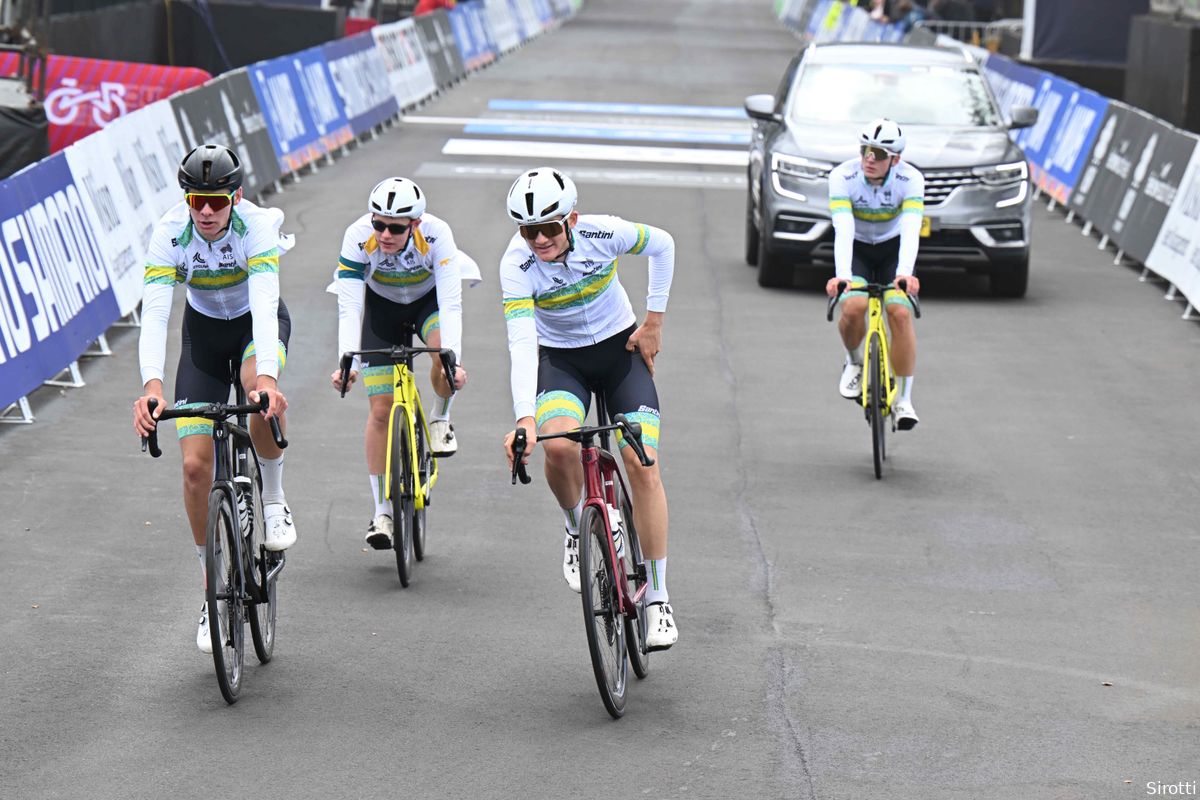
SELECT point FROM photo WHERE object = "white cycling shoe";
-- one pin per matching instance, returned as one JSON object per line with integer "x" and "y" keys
{"x": 379, "y": 532}
{"x": 203, "y": 639}
{"x": 850, "y": 385}
{"x": 571, "y": 561}
{"x": 661, "y": 632}
{"x": 281, "y": 532}
{"x": 906, "y": 415}
{"x": 442, "y": 442}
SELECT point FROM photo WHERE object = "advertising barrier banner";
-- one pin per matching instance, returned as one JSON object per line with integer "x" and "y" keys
{"x": 86, "y": 94}
{"x": 470, "y": 34}
{"x": 404, "y": 58}
{"x": 437, "y": 40}
{"x": 356, "y": 64}
{"x": 1153, "y": 187}
{"x": 1176, "y": 251}
{"x": 55, "y": 296}
{"x": 1070, "y": 143}
{"x": 303, "y": 114}
{"x": 501, "y": 27}
{"x": 226, "y": 111}
{"x": 1014, "y": 84}
{"x": 1106, "y": 176}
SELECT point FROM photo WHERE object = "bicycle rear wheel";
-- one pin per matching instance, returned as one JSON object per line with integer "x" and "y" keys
{"x": 425, "y": 461}
{"x": 875, "y": 395}
{"x": 601, "y": 618}
{"x": 635, "y": 625}
{"x": 224, "y": 595}
{"x": 259, "y": 561}
{"x": 402, "y": 498}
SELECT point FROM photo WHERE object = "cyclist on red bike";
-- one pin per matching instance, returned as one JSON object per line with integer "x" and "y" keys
{"x": 571, "y": 328}
{"x": 226, "y": 250}
{"x": 877, "y": 202}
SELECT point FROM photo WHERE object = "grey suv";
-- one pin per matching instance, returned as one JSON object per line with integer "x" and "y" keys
{"x": 977, "y": 194}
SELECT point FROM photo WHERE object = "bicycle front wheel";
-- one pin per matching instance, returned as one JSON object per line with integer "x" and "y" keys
{"x": 402, "y": 498}
{"x": 259, "y": 562}
{"x": 875, "y": 399}
{"x": 425, "y": 461}
{"x": 224, "y": 595}
{"x": 635, "y": 576}
{"x": 601, "y": 617}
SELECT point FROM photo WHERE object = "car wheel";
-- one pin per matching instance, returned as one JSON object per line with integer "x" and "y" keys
{"x": 751, "y": 232}
{"x": 773, "y": 271}
{"x": 1010, "y": 279}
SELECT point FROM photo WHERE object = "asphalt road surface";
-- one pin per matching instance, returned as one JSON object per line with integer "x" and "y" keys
{"x": 1010, "y": 613}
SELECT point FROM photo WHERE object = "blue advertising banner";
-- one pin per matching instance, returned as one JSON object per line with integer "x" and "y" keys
{"x": 1013, "y": 83}
{"x": 293, "y": 132}
{"x": 356, "y": 65}
{"x": 545, "y": 13}
{"x": 316, "y": 85}
{"x": 470, "y": 35}
{"x": 55, "y": 294}
{"x": 519, "y": 21}
{"x": 1070, "y": 143}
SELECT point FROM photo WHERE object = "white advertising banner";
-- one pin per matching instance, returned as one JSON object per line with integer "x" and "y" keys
{"x": 501, "y": 25}
{"x": 1176, "y": 252}
{"x": 404, "y": 57}
{"x": 126, "y": 178}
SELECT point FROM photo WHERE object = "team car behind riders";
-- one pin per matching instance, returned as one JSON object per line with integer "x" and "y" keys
{"x": 877, "y": 202}
{"x": 571, "y": 327}
{"x": 225, "y": 250}
{"x": 399, "y": 265}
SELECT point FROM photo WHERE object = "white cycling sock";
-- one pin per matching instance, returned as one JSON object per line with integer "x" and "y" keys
{"x": 440, "y": 408}
{"x": 904, "y": 388}
{"x": 855, "y": 356}
{"x": 572, "y": 516}
{"x": 272, "y": 479}
{"x": 382, "y": 504}
{"x": 656, "y": 580}
{"x": 203, "y": 572}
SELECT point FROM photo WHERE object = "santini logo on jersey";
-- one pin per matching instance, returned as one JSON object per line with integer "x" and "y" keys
{"x": 527, "y": 263}
{"x": 596, "y": 234}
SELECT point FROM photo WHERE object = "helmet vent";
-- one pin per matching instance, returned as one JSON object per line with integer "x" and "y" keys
{"x": 529, "y": 202}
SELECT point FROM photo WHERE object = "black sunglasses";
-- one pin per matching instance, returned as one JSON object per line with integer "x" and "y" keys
{"x": 547, "y": 229}
{"x": 394, "y": 228}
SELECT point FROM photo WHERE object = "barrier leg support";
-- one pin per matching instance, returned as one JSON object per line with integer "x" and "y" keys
{"x": 1117, "y": 260}
{"x": 20, "y": 407}
{"x": 101, "y": 345}
{"x": 1050, "y": 206}
{"x": 131, "y": 320}
{"x": 1171, "y": 294}
{"x": 1071, "y": 215}
{"x": 1146, "y": 275}
{"x": 1103, "y": 242}
{"x": 1188, "y": 313}
{"x": 76, "y": 378}
{"x": 1087, "y": 228}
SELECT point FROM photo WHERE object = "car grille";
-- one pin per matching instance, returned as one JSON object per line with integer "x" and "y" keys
{"x": 939, "y": 183}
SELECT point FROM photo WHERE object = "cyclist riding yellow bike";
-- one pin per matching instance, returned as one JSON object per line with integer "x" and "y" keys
{"x": 572, "y": 331}
{"x": 877, "y": 204}
{"x": 399, "y": 265}
{"x": 226, "y": 250}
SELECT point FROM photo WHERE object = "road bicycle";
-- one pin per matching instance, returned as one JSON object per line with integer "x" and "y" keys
{"x": 878, "y": 382}
{"x": 611, "y": 568}
{"x": 241, "y": 574}
{"x": 411, "y": 470}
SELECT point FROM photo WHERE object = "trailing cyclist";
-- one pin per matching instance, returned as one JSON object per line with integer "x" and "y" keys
{"x": 572, "y": 330}
{"x": 226, "y": 250}
{"x": 877, "y": 203}
{"x": 399, "y": 266}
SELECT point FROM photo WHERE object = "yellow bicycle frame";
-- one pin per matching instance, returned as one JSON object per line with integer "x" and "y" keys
{"x": 407, "y": 400}
{"x": 877, "y": 329}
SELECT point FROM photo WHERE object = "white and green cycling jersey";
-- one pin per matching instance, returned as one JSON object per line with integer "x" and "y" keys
{"x": 871, "y": 214}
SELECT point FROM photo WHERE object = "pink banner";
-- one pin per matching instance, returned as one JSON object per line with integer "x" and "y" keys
{"x": 86, "y": 94}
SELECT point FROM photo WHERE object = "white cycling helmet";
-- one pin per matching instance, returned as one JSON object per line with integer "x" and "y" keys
{"x": 397, "y": 197}
{"x": 541, "y": 194}
{"x": 883, "y": 133}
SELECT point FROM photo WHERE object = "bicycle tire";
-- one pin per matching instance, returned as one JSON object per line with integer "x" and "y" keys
{"x": 259, "y": 561}
{"x": 635, "y": 625}
{"x": 875, "y": 404}
{"x": 605, "y": 631}
{"x": 425, "y": 460}
{"x": 224, "y": 586}
{"x": 402, "y": 493}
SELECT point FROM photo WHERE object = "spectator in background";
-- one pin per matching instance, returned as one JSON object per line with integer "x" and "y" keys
{"x": 879, "y": 11}
{"x": 429, "y": 6}
{"x": 908, "y": 14}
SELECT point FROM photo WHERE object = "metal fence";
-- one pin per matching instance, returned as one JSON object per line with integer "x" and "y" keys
{"x": 991, "y": 35}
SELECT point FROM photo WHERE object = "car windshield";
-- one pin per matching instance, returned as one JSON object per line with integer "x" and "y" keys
{"x": 909, "y": 94}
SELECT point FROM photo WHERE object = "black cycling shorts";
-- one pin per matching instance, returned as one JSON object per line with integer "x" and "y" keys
{"x": 567, "y": 377}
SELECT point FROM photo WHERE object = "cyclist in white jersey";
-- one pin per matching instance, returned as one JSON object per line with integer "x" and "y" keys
{"x": 877, "y": 202}
{"x": 399, "y": 265}
{"x": 226, "y": 250}
{"x": 572, "y": 329}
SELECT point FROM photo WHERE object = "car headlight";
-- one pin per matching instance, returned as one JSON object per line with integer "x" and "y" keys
{"x": 797, "y": 167}
{"x": 1002, "y": 174}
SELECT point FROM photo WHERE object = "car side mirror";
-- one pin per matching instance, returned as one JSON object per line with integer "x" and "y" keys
{"x": 762, "y": 107}
{"x": 1023, "y": 117}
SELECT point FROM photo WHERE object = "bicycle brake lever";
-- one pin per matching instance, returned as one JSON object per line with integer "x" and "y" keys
{"x": 520, "y": 442}
{"x": 346, "y": 363}
{"x": 450, "y": 365}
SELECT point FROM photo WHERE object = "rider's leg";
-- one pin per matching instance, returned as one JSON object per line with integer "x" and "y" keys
{"x": 903, "y": 347}
{"x": 440, "y": 408}
{"x": 380, "y": 406}
{"x": 852, "y": 326}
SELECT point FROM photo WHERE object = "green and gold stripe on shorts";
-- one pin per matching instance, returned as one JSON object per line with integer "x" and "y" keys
{"x": 378, "y": 380}
{"x": 650, "y": 425}
{"x": 192, "y": 426}
{"x": 558, "y": 404}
